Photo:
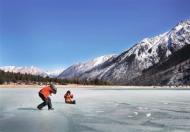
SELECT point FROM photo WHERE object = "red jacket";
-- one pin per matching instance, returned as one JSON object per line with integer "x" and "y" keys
{"x": 68, "y": 97}
{"x": 46, "y": 91}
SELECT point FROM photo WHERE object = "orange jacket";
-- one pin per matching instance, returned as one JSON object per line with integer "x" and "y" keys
{"x": 68, "y": 97}
{"x": 46, "y": 91}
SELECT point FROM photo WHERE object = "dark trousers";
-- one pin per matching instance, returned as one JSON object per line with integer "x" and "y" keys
{"x": 46, "y": 101}
{"x": 72, "y": 102}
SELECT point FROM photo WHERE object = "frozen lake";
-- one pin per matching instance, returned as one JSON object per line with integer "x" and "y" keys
{"x": 106, "y": 110}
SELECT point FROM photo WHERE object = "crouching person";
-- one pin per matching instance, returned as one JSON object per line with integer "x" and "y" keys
{"x": 69, "y": 98}
{"x": 44, "y": 94}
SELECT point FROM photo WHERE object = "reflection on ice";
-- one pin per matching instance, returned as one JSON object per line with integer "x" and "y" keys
{"x": 148, "y": 115}
{"x": 136, "y": 113}
{"x": 96, "y": 111}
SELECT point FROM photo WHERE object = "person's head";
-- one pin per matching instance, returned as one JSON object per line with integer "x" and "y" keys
{"x": 53, "y": 88}
{"x": 68, "y": 92}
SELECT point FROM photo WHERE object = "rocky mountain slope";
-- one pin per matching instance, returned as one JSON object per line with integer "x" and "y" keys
{"x": 175, "y": 70}
{"x": 75, "y": 71}
{"x": 129, "y": 65}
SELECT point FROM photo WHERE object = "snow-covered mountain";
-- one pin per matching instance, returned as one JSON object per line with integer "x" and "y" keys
{"x": 24, "y": 70}
{"x": 54, "y": 73}
{"x": 150, "y": 51}
{"x": 32, "y": 70}
{"x": 76, "y": 70}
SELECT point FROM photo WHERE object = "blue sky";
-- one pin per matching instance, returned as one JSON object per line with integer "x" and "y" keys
{"x": 59, "y": 33}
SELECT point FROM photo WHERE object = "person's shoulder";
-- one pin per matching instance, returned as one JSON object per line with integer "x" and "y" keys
{"x": 46, "y": 87}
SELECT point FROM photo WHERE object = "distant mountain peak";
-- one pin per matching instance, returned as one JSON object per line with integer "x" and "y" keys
{"x": 76, "y": 70}
{"x": 101, "y": 59}
{"x": 31, "y": 70}
{"x": 55, "y": 72}
{"x": 24, "y": 70}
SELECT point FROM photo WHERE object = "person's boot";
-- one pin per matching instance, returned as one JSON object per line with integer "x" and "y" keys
{"x": 39, "y": 108}
{"x": 51, "y": 109}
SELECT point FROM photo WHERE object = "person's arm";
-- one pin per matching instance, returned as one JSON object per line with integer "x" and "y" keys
{"x": 54, "y": 91}
{"x": 51, "y": 90}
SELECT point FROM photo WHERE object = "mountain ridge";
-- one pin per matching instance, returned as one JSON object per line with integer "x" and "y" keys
{"x": 31, "y": 70}
{"x": 143, "y": 55}
{"x": 76, "y": 70}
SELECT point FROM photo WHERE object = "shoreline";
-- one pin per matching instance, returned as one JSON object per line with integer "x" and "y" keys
{"x": 94, "y": 86}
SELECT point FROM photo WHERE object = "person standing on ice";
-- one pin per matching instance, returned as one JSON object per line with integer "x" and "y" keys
{"x": 44, "y": 94}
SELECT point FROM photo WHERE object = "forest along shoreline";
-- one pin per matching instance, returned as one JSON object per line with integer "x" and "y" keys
{"x": 96, "y": 86}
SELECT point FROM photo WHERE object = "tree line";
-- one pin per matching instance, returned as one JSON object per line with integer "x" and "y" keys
{"x": 10, "y": 77}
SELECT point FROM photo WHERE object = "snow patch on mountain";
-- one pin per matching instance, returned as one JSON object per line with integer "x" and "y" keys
{"x": 76, "y": 70}
{"x": 24, "y": 70}
{"x": 54, "y": 73}
{"x": 32, "y": 70}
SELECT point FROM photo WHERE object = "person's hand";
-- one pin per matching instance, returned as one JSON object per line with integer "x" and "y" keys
{"x": 54, "y": 91}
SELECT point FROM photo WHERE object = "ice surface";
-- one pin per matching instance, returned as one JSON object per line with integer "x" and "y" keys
{"x": 97, "y": 110}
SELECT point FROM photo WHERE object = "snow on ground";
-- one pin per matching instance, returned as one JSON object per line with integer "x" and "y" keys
{"x": 97, "y": 110}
